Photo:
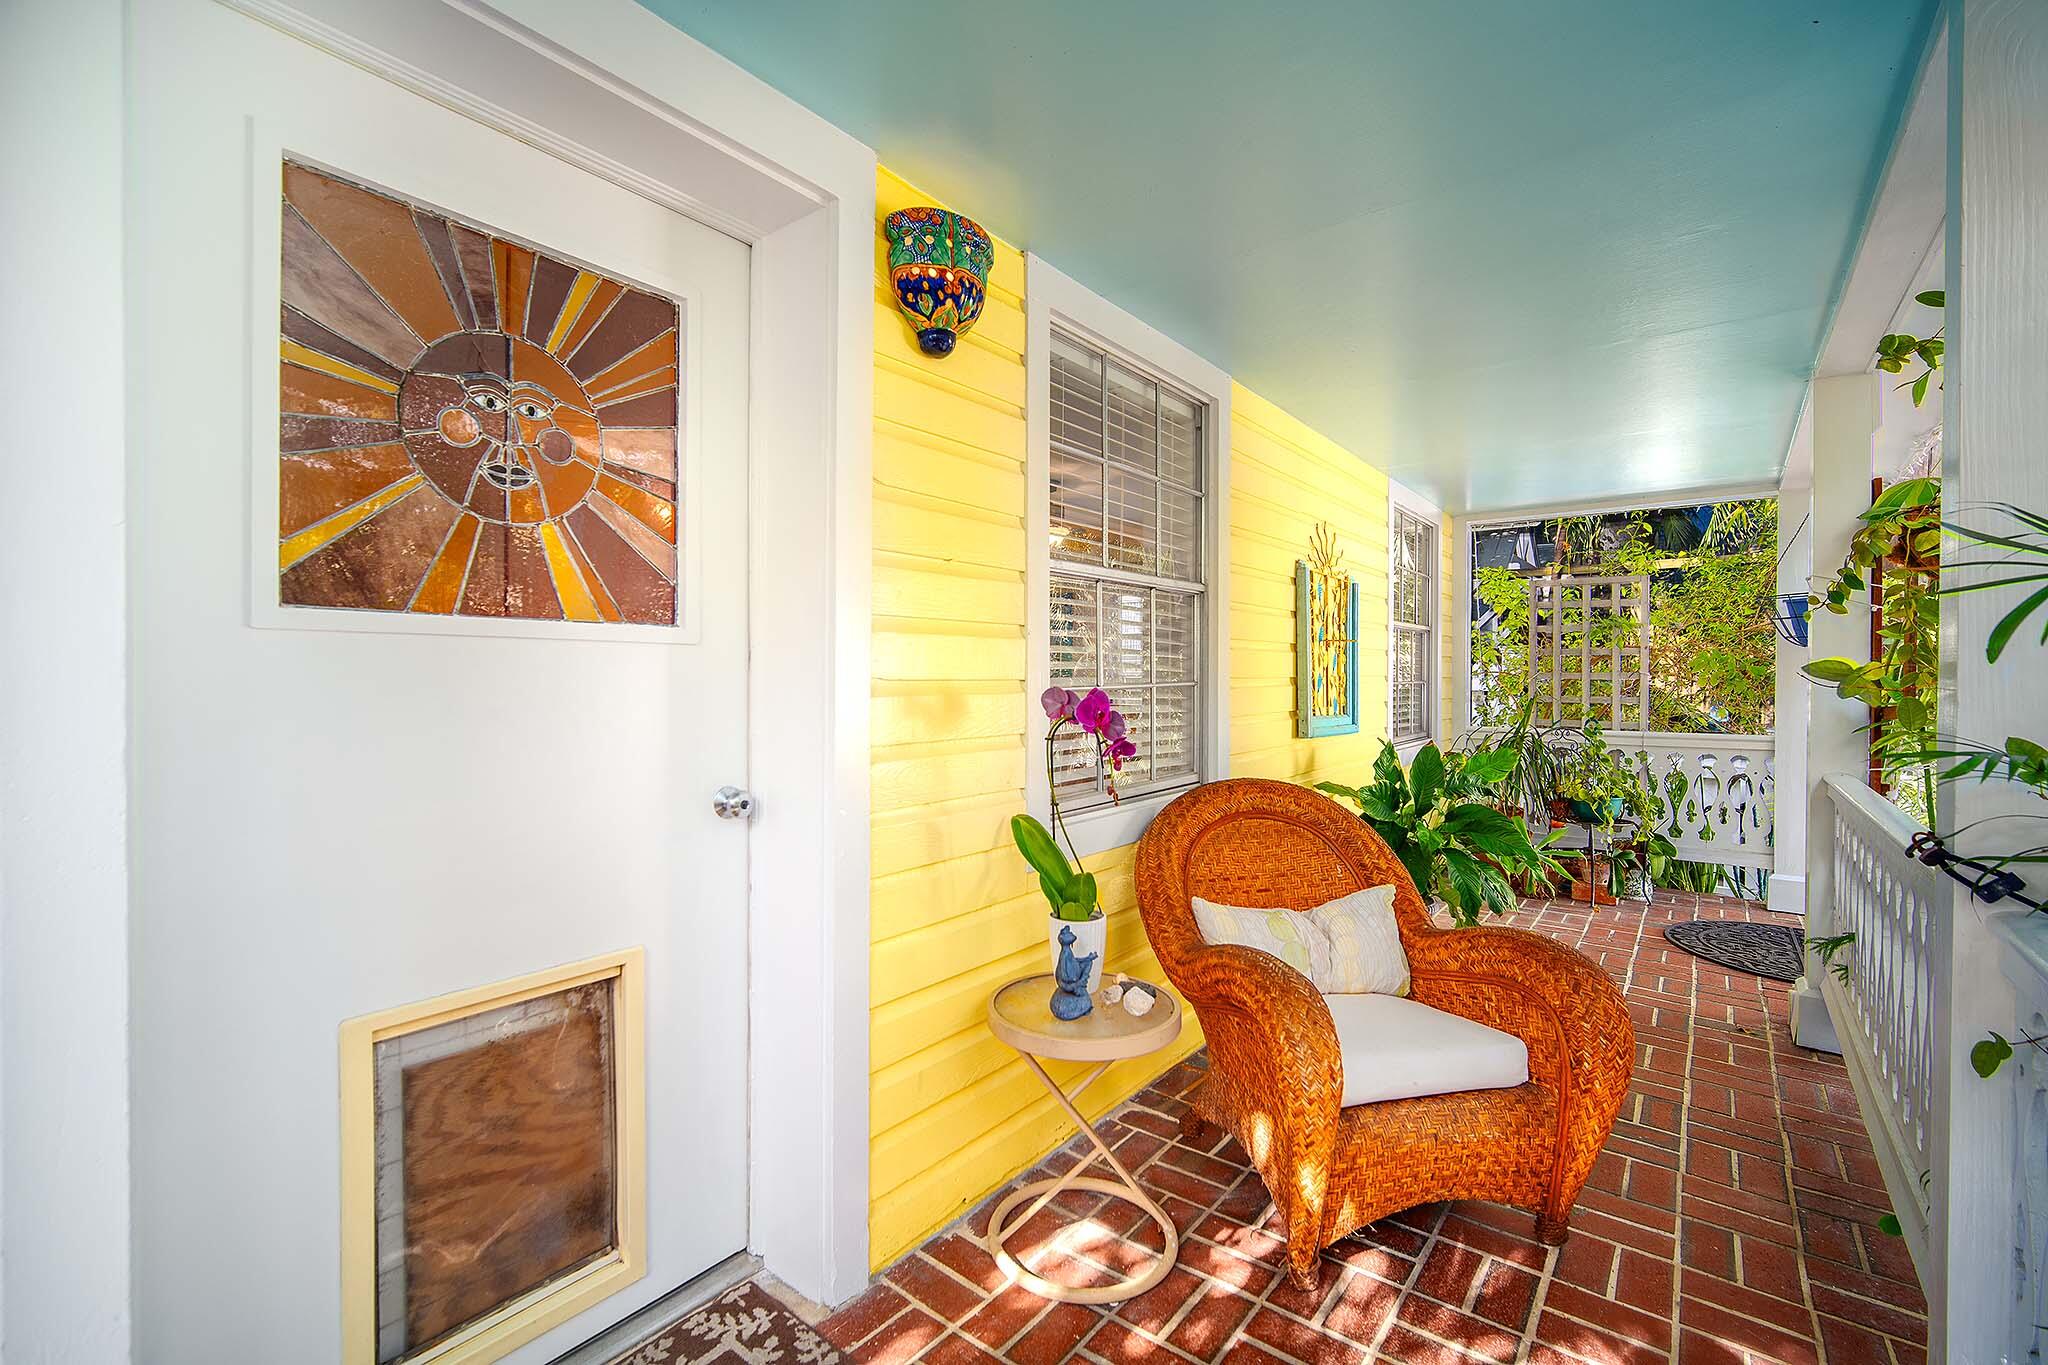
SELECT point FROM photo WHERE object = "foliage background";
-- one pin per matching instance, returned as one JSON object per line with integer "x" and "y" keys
{"x": 1713, "y": 651}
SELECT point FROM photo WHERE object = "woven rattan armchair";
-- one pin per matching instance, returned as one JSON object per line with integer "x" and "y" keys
{"x": 1275, "y": 1074}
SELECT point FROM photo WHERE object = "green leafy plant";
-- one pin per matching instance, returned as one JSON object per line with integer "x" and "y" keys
{"x": 1990, "y": 1054}
{"x": 1899, "y": 546}
{"x": 1649, "y": 850}
{"x": 1683, "y": 874}
{"x": 1712, "y": 646}
{"x": 1531, "y": 780}
{"x": 1648, "y": 854}
{"x": 2020, "y": 560}
{"x": 1713, "y": 649}
{"x": 1897, "y": 350}
{"x": 1577, "y": 538}
{"x": 1438, "y": 816}
{"x": 1595, "y": 778}
{"x": 1069, "y": 891}
{"x": 2028, "y": 542}
{"x": 1827, "y": 948}
{"x": 1500, "y": 655}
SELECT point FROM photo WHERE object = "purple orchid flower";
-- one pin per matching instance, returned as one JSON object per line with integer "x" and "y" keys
{"x": 1120, "y": 750}
{"x": 1092, "y": 709}
{"x": 1113, "y": 726}
{"x": 1059, "y": 704}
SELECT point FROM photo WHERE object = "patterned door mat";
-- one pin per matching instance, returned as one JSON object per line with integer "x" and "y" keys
{"x": 1777, "y": 951}
{"x": 746, "y": 1325}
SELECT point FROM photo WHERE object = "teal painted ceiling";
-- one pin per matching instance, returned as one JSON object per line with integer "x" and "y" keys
{"x": 1511, "y": 251}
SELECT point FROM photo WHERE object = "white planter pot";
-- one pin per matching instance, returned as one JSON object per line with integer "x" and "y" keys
{"x": 1090, "y": 936}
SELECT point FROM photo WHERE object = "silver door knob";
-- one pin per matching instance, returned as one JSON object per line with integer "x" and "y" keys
{"x": 731, "y": 803}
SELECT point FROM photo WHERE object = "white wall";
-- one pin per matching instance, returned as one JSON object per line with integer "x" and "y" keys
{"x": 64, "y": 1282}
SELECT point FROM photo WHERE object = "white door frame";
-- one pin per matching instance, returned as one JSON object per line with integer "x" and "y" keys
{"x": 612, "y": 89}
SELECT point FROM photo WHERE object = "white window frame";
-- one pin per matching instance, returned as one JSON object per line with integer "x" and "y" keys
{"x": 1401, "y": 499}
{"x": 1054, "y": 299}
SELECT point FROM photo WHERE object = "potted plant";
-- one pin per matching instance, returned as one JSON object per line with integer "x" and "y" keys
{"x": 1069, "y": 891}
{"x": 1438, "y": 816}
{"x": 1531, "y": 777}
{"x": 1595, "y": 787}
{"x": 1638, "y": 862}
{"x": 1645, "y": 856}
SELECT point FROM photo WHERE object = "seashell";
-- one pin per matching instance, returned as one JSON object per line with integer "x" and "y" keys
{"x": 1113, "y": 992}
{"x": 1138, "y": 1001}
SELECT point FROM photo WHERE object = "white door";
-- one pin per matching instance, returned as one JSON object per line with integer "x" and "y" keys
{"x": 369, "y": 772}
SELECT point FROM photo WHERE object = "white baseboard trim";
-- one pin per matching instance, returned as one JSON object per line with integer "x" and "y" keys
{"x": 1788, "y": 893}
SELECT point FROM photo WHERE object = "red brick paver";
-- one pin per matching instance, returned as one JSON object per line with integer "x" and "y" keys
{"x": 1731, "y": 1220}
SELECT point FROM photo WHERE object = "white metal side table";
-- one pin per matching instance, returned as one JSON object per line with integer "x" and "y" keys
{"x": 1020, "y": 1014}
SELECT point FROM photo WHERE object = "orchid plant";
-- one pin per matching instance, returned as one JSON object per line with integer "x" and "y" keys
{"x": 1068, "y": 890}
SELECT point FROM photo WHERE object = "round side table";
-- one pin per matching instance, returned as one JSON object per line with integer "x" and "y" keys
{"x": 1020, "y": 1014}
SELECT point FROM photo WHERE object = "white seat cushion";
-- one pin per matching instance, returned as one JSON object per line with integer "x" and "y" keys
{"x": 1396, "y": 1049}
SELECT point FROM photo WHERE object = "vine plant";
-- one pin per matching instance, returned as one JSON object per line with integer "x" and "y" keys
{"x": 1901, "y": 678}
{"x": 1899, "y": 547}
{"x": 1896, "y": 350}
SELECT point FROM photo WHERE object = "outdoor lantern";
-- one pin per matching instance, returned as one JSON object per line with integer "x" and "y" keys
{"x": 939, "y": 264}
{"x": 1790, "y": 618}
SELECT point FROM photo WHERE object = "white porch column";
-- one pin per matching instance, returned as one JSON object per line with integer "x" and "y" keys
{"x": 1845, "y": 420}
{"x": 1795, "y": 550}
{"x": 64, "y": 1244}
{"x": 1990, "y": 1154}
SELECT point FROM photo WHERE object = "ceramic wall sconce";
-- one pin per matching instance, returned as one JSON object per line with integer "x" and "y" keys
{"x": 939, "y": 264}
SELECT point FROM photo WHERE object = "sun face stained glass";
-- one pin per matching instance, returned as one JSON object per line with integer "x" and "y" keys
{"x": 468, "y": 426}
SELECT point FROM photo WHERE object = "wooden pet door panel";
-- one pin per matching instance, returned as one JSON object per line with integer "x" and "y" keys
{"x": 504, "y": 1189}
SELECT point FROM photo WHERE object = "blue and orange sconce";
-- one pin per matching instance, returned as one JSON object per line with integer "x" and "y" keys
{"x": 939, "y": 264}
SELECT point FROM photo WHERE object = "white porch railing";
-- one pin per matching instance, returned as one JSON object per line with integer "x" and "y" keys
{"x": 2023, "y": 959}
{"x": 1884, "y": 1012}
{"x": 1719, "y": 792}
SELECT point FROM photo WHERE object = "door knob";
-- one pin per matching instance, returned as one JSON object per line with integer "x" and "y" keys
{"x": 732, "y": 803}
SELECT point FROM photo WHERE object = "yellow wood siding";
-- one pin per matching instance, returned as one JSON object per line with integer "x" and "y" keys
{"x": 955, "y": 912}
{"x": 1450, "y": 618}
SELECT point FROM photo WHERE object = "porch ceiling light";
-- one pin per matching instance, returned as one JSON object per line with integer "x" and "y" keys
{"x": 939, "y": 265}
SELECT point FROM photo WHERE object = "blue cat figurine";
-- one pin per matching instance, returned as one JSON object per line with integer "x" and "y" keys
{"x": 1070, "y": 998}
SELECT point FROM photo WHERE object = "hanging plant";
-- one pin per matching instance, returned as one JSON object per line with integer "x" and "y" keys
{"x": 1897, "y": 350}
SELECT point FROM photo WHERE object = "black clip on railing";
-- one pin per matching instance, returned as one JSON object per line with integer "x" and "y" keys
{"x": 1987, "y": 883}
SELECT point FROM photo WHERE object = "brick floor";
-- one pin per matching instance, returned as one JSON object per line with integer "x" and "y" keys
{"x": 1731, "y": 1220}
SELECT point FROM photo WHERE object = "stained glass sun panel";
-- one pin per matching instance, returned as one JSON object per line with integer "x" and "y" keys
{"x": 468, "y": 425}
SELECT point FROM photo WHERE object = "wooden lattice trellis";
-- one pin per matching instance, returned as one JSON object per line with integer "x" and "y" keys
{"x": 1589, "y": 650}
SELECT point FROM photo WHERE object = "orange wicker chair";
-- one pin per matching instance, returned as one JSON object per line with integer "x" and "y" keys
{"x": 1275, "y": 1074}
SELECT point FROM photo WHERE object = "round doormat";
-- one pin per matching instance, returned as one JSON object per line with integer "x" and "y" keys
{"x": 1773, "y": 950}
